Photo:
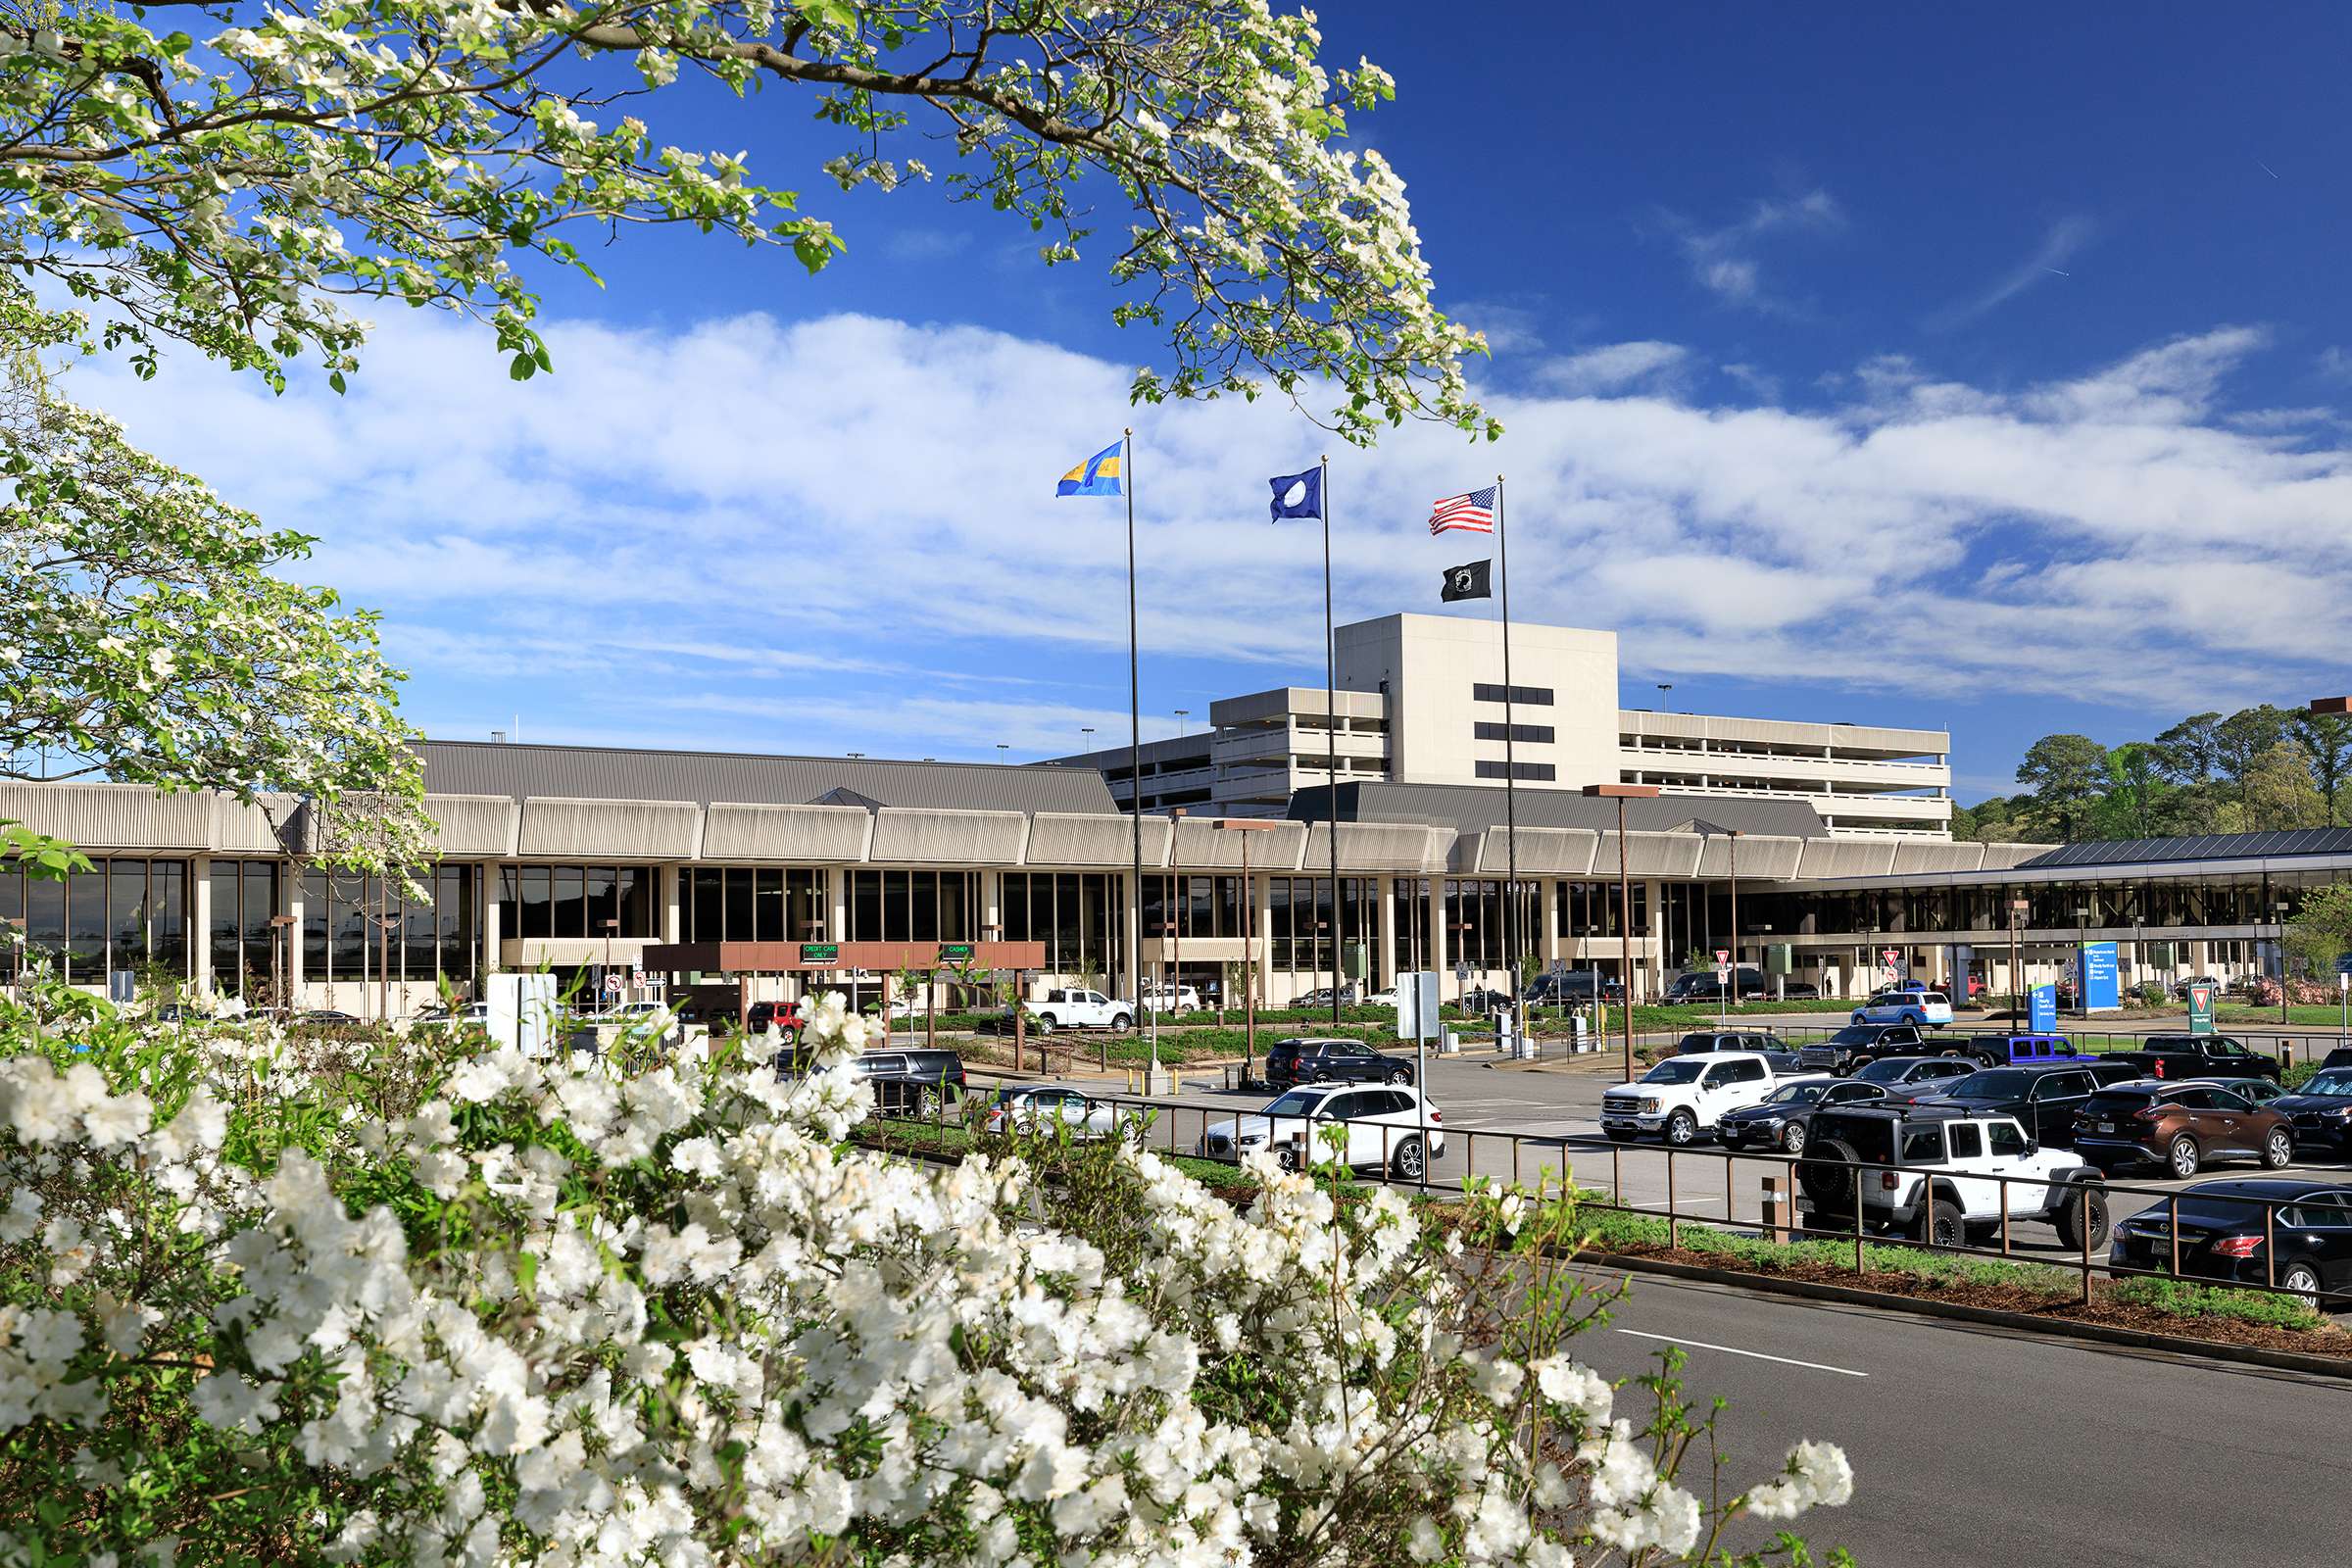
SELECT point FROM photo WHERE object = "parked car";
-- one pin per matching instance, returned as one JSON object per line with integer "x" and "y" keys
{"x": 2042, "y": 1098}
{"x": 911, "y": 1083}
{"x": 1780, "y": 1120}
{"x": 1774, "y": 1050}
{"x": 1683, "y": 1097}
{"x": 1701, "y": 985}
{"x": 1171, "y": 999}
{"x": 2254, "y": 1091}
{"x": 1994, "y": 1050}
{"x": 1301, "y": 1061}
{"x": 1042, "y": 1107}
{"x": 2321, "y": 1112}
{"x": 1857, "y": 1042}
{"x": 2180, "y": 986}
{"x": 2180, "y": 1126}
{"x": 474, "y": 1013}
{"x": 1800, "y": 990}
{"x": 1923, "y": 1008}
{"x": 325, "y": 1016}
{"x": 2199, "y": 1057}
{"x": 2341, "y": 1057}
{"x": 1571, "y": 989}
{"x": 1384, "y": 1127}
{"x": 781, "y": 1016}
{"x": 1930, "y": 1165}
{"x": 1907, "y": 1078}
{"x": 2292, "y": 1231}
{"x": 1386, "y": 997}
{"x": 1073, "y": 1008}
{"x": 629, "y": 1013}
{"x": 1320, "y": 997}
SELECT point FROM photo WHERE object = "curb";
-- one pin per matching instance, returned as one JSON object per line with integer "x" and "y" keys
{"x": 2331, "y": 1367}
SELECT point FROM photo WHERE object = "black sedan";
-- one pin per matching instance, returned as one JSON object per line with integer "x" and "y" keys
{"x": 1780, "y": 1120}
{"x": 1904, "y": 1079}
{"x": 2294, "y": 1232}
{"x": 2322, "y": 1113}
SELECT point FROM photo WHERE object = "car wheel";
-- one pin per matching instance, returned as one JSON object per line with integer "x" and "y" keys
{"x": 1043, "y": 1024}
{"x": 1828, "y": 1177}
{"x": 1120, "y": 1023}
{"x": 2302, "y": 1282}
{"x": 1407, "y": 1165}
{"x": 1682, "y": 1128}
{"x": 1401, "y": 1076}
{"x": 2182, "y": 1157}
{"x": 1792, "y": 1138}
{"x": 1287, "y": 1159}
{"x": 2080, "y": 1211}
{"x": 2279, "y": 1150}
{"x": 1945, "y": 1225}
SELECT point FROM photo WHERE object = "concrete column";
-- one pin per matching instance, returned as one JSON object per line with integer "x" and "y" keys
{"x": 1655, "y": 985}
{"x": 1263, "y": 893}
{"x": 992, "y": 901}
{"x": 673, "y": 921}
{"x": 837, "y": 900}
{"x": 1548, "y": 915}
{"x": 1440, "y": 939}
{"x": 492, "y": 939}
{"x": 1384, "y": 951}
{"x": 290, "y": 902}
{"x": 200, "y": 920}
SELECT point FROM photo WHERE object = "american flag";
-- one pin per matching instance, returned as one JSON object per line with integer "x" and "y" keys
{"x": 1473, "y": 513}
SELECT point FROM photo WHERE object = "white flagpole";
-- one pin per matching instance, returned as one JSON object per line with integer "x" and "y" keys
{"x": 1135, "y": 768}
{"x": 1331, "y": 733}
{"x": 1512, "y": 936}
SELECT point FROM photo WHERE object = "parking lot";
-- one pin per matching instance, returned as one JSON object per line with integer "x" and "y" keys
{"x": 1511, "y": 1122}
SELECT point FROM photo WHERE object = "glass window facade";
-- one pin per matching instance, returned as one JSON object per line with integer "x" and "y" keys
{"x": 122, "y": 914}
{"x": 913, "y": 906}
{"x": 244, "y": 897}
{"x": 575, "y": 900}
{"x": 420, "y": 938}
{"x": 1300, "y": 919}
{"x": 1076, "y": 914}
{"x": 1195, "y": 906}
{"x": 752, "y": 903}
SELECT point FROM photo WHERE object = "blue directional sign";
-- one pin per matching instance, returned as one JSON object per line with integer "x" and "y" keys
{"x": 2042, "y": 1008}
{"x": 2102, "y": 986}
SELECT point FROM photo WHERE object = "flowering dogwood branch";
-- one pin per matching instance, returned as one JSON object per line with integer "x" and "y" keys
{"x": 229, "y": 189}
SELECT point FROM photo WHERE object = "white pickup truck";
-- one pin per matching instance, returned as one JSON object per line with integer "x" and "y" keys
{"x": 1072, "y": 1007}
{"x": 1683, "y": 1097}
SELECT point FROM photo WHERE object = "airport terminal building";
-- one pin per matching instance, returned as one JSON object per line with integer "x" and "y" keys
{"x": 575, "y": 857}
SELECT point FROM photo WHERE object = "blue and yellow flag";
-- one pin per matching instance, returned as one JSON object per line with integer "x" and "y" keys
{"x": 1098, "y": 476}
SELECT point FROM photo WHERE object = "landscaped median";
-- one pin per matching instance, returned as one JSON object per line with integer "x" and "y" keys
{"x": 2150, "y": 1305}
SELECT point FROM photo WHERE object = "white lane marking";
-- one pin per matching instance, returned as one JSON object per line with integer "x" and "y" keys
{"x": 1727, "y": 1349}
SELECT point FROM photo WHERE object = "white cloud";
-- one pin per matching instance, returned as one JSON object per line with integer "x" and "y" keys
{"x": 1613, "y": 367}
{"x": 2060, "y": 244}
{"x": 852, "y": 521}
{"x": 1723, "y": 259}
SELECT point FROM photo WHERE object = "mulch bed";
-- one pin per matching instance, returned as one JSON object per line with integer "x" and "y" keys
{"x": 2103, "y": 1311}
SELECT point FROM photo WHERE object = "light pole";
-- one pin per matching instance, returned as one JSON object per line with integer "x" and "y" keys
{"x": 2018, "y": 908}
{"x": 1621, "y": 792}
{"x": 1174, "y": 917}
{"x": 1245, "y": 826}
{"x": 1182, "y": 713}
{"x": 610, "y": 923}
{"x": 1710, "y": 830}
{"x": 2083, "y": 960}
{"x": 1002, "y": 749}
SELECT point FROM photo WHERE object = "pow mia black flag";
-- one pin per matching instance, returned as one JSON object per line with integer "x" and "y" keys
{"x": 1468, "y": 581}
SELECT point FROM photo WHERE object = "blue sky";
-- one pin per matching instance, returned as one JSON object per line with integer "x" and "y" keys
{"x": 1982, "y": 367}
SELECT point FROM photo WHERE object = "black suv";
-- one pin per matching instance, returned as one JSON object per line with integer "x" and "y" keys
{"x": 2043, "y": 1098}
{"x": 1323, "y": 1061}
{"x": 906, "y": 1083}
{"x": 1698, "y": 1042}
{"x": 1857, "y": 1042}
{"x": 1571, "y": 988}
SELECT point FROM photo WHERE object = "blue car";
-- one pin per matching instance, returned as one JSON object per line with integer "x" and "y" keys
{"x": 1924, "y": 1008}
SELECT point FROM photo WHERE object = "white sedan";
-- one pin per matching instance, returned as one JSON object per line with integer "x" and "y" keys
{"x": 1039, "y": 1108}
{"x": 1384, "y": 1128}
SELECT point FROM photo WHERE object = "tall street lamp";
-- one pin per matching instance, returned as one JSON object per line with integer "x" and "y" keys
{"x": 1245, "y": 826}
{"x": 1622, "y": 793}
{"x": 2279, "y": 915}
{"x": 2083, "y": 959}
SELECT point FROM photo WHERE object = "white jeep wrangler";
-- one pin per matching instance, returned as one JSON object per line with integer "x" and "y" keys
{"x": 1925, "y": 1171}
{"x": 1683, "y": 1097}
{"x": 1076, "y": 1009}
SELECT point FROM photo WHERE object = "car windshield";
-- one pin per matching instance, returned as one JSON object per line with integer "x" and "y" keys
{"x": 1796, "y": 1094}
{"x": 1991, "y": 1086}
{"x": 1691, "y": 1044}
{"x": 1852, "y": 1035}
{"x": 1673, "y": 1072}
{"x": 1297, "y": 1102}
{"x": 1886, "y": 1070}
{"x": 2336, "y": 1081}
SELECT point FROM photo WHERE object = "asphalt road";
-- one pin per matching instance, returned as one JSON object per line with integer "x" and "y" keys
{"x": 2008, "y": 1454}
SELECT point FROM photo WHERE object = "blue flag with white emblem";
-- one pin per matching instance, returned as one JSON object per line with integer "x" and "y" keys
{"x": 1298, "y": 495}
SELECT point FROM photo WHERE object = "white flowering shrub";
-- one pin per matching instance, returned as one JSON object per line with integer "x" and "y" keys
{"x": 429, "y": 1302}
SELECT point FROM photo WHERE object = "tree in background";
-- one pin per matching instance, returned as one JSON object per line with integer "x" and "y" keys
{"x": 2323, "y": 927}
{"x": 2190, "y": 751}
{"x": 2137, "y": 801}
{"x": 2276, "y": 794}
{"x": 2068, "y": 773}
{"x": 2325, "y": 741}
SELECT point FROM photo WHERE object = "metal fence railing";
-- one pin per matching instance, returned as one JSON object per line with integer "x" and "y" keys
{"x": 2267, "y": 1253}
